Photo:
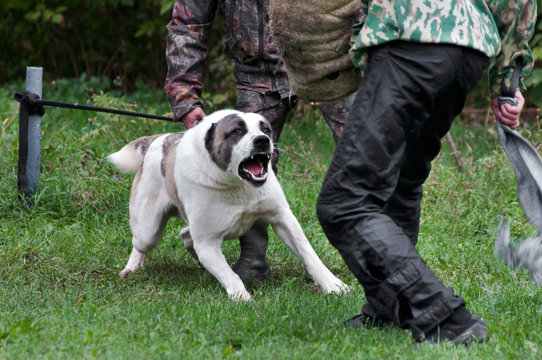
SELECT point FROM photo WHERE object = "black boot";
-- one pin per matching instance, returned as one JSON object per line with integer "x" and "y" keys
{"x": 252, "y": 262}
{"x": 462, "y": 328}
{"x": 368, "y": 319}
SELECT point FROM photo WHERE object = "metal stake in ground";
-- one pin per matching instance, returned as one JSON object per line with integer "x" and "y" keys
{"x": 30, "y": 113}
{"x": 30, "y": 136}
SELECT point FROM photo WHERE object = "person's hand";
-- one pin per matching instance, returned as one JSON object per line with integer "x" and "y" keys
{"x": 508, "y": 114}
{"x": 193, "y": 117}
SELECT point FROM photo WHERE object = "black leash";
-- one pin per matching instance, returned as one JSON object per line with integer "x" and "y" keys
{"x": 35, "y": 102}
{"x": 31, "y": 104}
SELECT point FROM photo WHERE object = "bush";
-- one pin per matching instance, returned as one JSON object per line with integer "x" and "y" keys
{"x": 123, "y": 40}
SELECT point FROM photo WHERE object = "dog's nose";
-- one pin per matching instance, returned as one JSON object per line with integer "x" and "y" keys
{"x": 261, "y": 141}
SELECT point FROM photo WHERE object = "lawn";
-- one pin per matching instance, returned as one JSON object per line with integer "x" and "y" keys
{"x": 61, "y": 297}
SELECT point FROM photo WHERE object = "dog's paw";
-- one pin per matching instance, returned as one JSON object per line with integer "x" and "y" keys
{"x": 124, "y": 273}
{"x": 240, "y": 296}
{"x": 335, "y": 286}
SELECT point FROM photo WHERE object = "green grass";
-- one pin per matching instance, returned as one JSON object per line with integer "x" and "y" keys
{"x": 61, "y": 297}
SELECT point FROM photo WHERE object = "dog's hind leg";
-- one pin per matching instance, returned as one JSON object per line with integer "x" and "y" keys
{"x": 136, "y": 261}
{"x": 188, "y": 242}
{"x": 149, "y": 213}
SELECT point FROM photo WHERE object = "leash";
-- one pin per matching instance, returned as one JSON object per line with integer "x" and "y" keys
{"x": 527, "y": 167}
{"x": 34, "y": 102}
{"x": 31, "y": 104}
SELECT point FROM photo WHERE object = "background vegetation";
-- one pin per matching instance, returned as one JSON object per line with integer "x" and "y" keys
{"x": 123, "y": 42}
{"x": 118, "y": 40}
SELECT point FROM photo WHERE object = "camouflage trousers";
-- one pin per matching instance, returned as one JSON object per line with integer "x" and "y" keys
{"x": 252, "y": 261}
{"x": 276, "y": 110}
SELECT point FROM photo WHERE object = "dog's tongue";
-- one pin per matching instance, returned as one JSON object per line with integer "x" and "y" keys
{"x": 254, "y": 168}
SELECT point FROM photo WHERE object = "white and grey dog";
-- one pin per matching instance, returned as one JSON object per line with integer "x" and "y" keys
{"x": 217, "y": 178}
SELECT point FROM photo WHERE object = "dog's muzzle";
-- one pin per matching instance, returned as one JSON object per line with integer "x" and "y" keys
{"x": 253, "y": 169}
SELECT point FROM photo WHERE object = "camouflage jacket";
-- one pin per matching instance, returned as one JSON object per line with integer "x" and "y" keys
{"x": 498, "y": 28}
{"x": 257, "y": 64}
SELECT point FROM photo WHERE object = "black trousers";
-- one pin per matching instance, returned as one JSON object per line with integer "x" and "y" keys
{"x": 369, "y": 204}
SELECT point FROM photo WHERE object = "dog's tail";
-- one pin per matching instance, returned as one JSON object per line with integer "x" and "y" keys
{"x": 528, "y": 254}
{"x": 130, "y": 158}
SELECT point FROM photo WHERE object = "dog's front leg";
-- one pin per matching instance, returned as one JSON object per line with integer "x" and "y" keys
{"x": 289, "y": 230}
{"x": 211, "y": 257}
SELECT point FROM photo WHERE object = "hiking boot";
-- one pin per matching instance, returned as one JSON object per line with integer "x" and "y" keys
{"x": 462, "y": 328}
{"x": 252, "y": 263}
{"x": 364, "y": 321}
{"x": 368, "y": 319}
{"x": 255, "y": 269}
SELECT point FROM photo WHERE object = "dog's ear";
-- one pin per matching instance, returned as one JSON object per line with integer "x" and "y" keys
{"x": 210, "y": 138}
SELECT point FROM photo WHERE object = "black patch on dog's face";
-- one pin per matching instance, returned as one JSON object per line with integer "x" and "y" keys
{"x": 210, "y": 137}
{"x": 222, "y": 137}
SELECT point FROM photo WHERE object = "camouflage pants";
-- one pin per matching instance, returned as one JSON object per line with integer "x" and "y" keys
{"x": 335, "y": 115}
{"x": 276, "y": 110}
{"x": 252, "y": 261}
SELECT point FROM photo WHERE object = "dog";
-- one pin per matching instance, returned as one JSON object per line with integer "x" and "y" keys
{"x": 217, "y": 178}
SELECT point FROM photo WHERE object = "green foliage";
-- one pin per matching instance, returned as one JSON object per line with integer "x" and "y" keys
{"x": 534, "y": 81}
{"x": 62, "y": 297}
{"x": 122, "y": 39}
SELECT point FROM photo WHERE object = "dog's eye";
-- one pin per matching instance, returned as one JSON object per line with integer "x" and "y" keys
{"x": 235, "y": 132}
{"x": 266, "y": 130}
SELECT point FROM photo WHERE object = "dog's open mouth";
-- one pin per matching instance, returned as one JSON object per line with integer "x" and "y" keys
{"x": 254, "y": 168}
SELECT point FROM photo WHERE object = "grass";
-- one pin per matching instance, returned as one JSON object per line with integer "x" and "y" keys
{"x": 61, "y": 296}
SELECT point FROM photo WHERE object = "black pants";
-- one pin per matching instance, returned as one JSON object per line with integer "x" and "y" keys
{"x": 369, "y": 204}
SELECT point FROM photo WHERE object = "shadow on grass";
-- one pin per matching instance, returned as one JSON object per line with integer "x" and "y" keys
{"x": 192, "y": 276}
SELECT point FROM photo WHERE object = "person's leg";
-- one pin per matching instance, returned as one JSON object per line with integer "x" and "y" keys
{"x": 335, "y": 115}
{"x": 272, "y": 107}
{"x": 252, "y": 262}
{"x": 404, "y": 205}
{"x": 396, "y": 99}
